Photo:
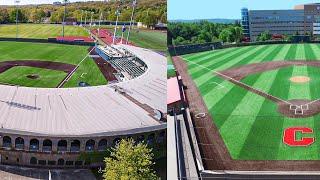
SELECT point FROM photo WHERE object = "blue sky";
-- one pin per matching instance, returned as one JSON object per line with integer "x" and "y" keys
{"x": 11, "y": 2}
{"x": 230, "y": 9}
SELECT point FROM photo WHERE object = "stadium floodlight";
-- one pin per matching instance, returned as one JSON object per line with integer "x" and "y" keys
{"x": 91, "y": 18}
{"x": 17, "y": 12}
{"x": 134, "y": 4}
{"x": 116, "y": 26}
{"x": 85, "y": 18}
{"x": 81, "y": 17}
{"x": 123, "y": 30}
{"x": 64, "y": 15}
{"x": 99, "y": 23}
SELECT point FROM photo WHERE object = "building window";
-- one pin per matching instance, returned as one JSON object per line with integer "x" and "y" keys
{"x": 150, "y": 139}
{"x": 75, "y": 146}
{"x": 69, "y": 163}
{"x": 62, "y": 145}
{"x": 18, "y": 159}
{"x": 161, "y": 137}
{"x": 102, "y": 145}
{"x": 6, "y": 142}
{"x": 140, "y": 139}
{"x": 34, "y": 145}
{"x": 60, "y": 162}
{"x": 52, "y": 163}
{"x": 19, "y": 143}
{"x": 47, "y": 145}
{"x": 78, "y": 163}
{"x": 42, "y": 162}
{"x": 90, "y": 145}
{"x": 33, "y": 160}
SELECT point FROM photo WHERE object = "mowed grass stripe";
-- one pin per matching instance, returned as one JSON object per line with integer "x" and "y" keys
{"x": 198, "y": 56}
{"x": 312, "y": 53}
{"x": 197, "y": 72}
{"x": 243, "y": 116}
{"x": 203, "y": 81}
{"x": 299, "y": 91}
{"x": 262, "y": 141}
{"x": 215, "y": 56}
{"x": 217, "y": 97}
{"x": 233, "y": 97}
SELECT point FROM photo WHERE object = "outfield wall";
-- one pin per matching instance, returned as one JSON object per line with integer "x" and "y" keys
{"x": 195, "y": 48}
{"x": 49, "y": 40}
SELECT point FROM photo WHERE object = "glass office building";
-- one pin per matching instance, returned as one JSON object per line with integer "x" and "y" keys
{"x": 303, "y": 19}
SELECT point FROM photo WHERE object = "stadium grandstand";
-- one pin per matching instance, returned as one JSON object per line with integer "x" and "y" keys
{"x": 128, "y": 65}
{"x": 54, "y": 126}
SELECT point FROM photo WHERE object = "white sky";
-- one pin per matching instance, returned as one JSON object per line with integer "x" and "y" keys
{"x": 23, "y": 2}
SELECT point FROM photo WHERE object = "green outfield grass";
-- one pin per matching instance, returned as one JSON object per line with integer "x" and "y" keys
{"x": 49, "y": 52}
{"x": 40, "y": 31}
{"x": 170, "y": 70}
{"x": 249, "y": 124}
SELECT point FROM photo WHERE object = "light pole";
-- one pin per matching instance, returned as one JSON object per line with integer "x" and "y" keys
{"x": 85, "y": 19}
{"x": 81, "y": 17}
{"x": 99, "y": 23}
{"x": 134, "y": 4}
{"x": 17, "y": 29}
{"x": 64, "y": 16}
{"x": 91, "y": 19}
{"x": 123, "y": 30}
{"x": 116, "y": 26}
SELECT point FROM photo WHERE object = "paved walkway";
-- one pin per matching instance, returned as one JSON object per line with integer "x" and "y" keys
{"x": 22, "y": 173}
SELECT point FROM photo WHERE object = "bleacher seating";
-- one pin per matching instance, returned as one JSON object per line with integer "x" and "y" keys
{"x": 127, "y": 65}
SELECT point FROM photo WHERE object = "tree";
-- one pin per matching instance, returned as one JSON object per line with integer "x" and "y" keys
{"x": 36, "y": 15}
{"x": 264, "y": 36}
{"x": 4, "y": 16}
{"x": 237, "y": 34}
{"x": 129, "y": 161}
{"x": 225, "y": 35}
{"x": 21, "y": 16}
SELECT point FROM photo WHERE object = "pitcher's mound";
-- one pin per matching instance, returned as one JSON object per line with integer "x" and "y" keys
{"x": 300, "y": 79}
{"x": 33, "y": 76}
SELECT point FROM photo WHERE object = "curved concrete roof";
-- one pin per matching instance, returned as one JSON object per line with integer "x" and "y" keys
{"x": 90, "y": 111}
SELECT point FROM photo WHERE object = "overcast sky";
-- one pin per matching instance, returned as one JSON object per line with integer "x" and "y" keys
{"x": 230, "y": 9}
{"x": 11, "y": 2}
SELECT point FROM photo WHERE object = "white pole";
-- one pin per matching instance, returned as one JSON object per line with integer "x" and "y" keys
{"x": 116, "y": 26}
{"x": 131, "y": 21}
{"x": 81, "y": 17}
{"x": 91, "y": 19}
{"x": 17, "y": 29}
{"x": 99, "y": 23}
{"x": 64, "y": 17}
{"x": 122, "y": 37}
{"x": 85, "y": 19}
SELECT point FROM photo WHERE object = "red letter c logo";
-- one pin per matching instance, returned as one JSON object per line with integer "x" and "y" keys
{"x": 289, "y": 137}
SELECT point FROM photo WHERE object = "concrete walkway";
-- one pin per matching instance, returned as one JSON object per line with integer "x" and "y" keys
{"x": 22, "y": 173}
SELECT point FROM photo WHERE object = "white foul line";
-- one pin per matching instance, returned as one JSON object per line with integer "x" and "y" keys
{"x": 72, "y": 72}
{"x": 230, "y": 78}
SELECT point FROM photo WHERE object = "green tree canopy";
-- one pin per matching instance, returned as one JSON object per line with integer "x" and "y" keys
{"x": 129, "y": 162}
